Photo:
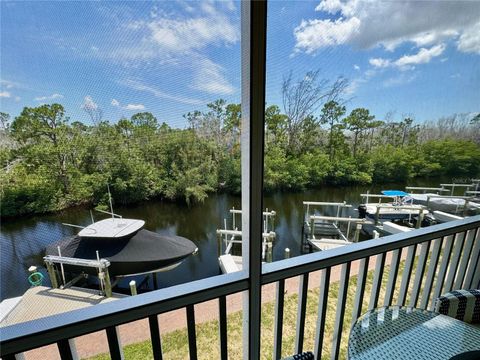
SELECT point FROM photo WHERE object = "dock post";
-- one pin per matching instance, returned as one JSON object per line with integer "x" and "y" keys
{"x": 133, "y": 287}
{"x": 287, "y": 253}
{"x": 357, "y": 232}
{"x": 465, "y": 208}
{"x": 269, "y": 252}
{"x": 377, "y": 215}
{"x": 418, "y": 225}
{"x": 219, "y": 243}
{"x": 52, "y": 274}
{"x": 108, "y": 284}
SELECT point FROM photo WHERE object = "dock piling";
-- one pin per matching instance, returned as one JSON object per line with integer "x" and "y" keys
{"x": 133, "y": 287}
{"x": 52, "y": 274}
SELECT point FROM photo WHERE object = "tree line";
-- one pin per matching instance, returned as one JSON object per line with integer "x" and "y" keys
{"x": 50, "y": 162}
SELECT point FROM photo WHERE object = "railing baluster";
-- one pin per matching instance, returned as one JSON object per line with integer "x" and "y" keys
{"x": 67, "y": 350}
{"x": 302, "y": 306}
{"x": 155, "y": 337}
{"x": 222, "y": 326}
{"x": 447, "y": 251}
{"x": 192, "y": 337}
{"x": 278, "y": 331}
{"x": 432, "y": 269}
{"x": 476, "y": 278}
{"x": 377, "y": 281}
{"x": 361, "y": 281}
{"x": 114, "y": 345}
{"x": 342, "y": 297}
{"x": 468, "y": 282}
{"x": 407, "y": 272}
{"x": 419, "y": 272}
{"x": 457, "y": 250}
{"x": 392, "y": 277}
{"x": 322, "y": 312}
{"x": 467, "y": 252}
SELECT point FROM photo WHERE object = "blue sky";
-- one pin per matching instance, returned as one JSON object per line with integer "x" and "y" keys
{"x": 420, "y": 59}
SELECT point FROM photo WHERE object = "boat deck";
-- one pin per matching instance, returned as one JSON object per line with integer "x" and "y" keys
{"x": 41, "y": 301}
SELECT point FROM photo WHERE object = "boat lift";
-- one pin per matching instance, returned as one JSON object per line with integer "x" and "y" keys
{"x": 228, "y": 237}
{"x": 323, "y": 232}
{"x": 101, "y": 264}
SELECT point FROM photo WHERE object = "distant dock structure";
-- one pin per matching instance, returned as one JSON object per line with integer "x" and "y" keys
{"x": 321, "y": 232}
{"x": 231, "y": 234}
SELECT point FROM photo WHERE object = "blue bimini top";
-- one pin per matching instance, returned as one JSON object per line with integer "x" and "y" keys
{"x": 394, "y": 193}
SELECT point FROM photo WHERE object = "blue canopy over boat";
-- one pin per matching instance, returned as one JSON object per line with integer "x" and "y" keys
{"x": 394, "y": 193}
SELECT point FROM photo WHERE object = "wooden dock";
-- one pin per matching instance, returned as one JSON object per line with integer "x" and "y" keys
{"x": 41, "y": 301}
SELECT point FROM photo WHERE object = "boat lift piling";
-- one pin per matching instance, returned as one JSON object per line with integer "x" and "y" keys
{"x": 101, "y": 264}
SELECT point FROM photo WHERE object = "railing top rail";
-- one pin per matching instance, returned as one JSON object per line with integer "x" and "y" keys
{"x": 316, "y": 261}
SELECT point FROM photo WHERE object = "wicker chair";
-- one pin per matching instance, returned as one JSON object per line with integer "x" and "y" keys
{"x": 460, "y": 304}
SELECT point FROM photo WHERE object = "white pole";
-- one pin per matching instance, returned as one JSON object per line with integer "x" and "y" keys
{"x": 100, "y": 277}
{"x": 110, "y": 200}
{"x": 61, "y": 265}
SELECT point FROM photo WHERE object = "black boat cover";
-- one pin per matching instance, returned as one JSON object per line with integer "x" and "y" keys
{"x": 145, "y": 251}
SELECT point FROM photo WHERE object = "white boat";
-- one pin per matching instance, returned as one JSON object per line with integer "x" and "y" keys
{"x": 399, "y": 209}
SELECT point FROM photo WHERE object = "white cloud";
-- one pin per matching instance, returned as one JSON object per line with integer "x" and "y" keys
{"x": 134, "y": 107}
{"x": 5, "y": 94}
{"x": 469, "y": 41}
{"x": 138, "y": 85}
{"x": 210, "y": 78}
{"x": 50, "y": 97}
{"x": 379, "y": 62}
{"x": 18, "y": 98}
{"x": 191, "y": 34}
{"x": 314, "y": 34}
{"x": 89, "y": 104}
{"x": 399, "y": 80}
{"x": 180, "y": 40}
{"x": 356, "y": 67}
{"x": 422, "y": 57}
{"x": 7, "y": 84}
{"x": 116, "y": 103}
{"x": 366, "y": 24}
{"x": 408, "y": 62}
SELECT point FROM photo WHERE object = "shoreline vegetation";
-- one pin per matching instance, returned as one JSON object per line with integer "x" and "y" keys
{"x": 51, "y": 162}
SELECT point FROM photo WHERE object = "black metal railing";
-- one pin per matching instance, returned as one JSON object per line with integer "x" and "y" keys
{"x": 421, "y": 265}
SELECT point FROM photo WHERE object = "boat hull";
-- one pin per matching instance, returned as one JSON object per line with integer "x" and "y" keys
{"x": 144, "y": 252}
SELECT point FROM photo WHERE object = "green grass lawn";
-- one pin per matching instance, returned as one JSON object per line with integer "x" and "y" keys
{"x": 175, "y": 344}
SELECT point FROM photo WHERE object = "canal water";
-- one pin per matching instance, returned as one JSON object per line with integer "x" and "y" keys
{"x": 23, "y": 241}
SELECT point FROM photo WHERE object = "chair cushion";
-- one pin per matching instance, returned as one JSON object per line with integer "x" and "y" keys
{"x": 308, "y": 355}
{"x": 461, "y": 304}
